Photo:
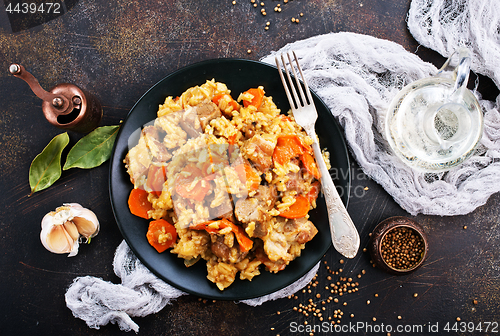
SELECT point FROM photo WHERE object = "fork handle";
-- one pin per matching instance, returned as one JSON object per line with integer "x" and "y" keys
{"x": 345, "y": 236}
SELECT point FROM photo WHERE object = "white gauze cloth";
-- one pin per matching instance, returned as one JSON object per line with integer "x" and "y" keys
{"x": 357, "y": 76}
{"x": 442, "y": 25}
{"x": 140, "y": 293}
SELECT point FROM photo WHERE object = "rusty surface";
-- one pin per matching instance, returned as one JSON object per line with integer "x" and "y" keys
{"x": 117, "y": 50}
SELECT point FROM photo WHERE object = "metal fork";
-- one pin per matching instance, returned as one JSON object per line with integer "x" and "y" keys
{"x": 345, "y": 237}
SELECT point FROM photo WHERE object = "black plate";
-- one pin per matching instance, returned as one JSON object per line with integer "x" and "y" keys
{"x": 238, "y": 75}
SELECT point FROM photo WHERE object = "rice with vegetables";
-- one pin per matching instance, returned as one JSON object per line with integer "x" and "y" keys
{"x": 227, "y": 181}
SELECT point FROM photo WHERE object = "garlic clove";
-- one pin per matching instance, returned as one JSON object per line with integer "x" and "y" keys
{"x": 57, "y": 240}
{"x": 62, "y": 228}
{"x": 86, "y": 222}
{"x": 71, "y": 229}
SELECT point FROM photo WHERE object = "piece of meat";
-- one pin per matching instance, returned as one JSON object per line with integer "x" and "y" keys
{"x": 249, "y": 130}
{"x": 220, "y": 249}
{"x": 207, "y": 111}
{"x": 300, "y": 230}
{"x": 189, "y": 129}
{"x": 260, "y": 152}
{"x": 254, "y": 209}
{"x": 226, "y": 248}
{"x": 190, "y": 123}
{"x": 247, "y": 210}
{"x": 137, "y": 160}
{"x": 272, "y": 266}
{"x": 295, "y": 180}
{"x": 153, "y": 142}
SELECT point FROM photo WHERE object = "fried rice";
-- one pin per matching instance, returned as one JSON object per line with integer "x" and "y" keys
{"x": 231, "y": 201}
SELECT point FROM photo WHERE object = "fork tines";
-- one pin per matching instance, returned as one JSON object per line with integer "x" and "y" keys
{"x": 295, "y": 100}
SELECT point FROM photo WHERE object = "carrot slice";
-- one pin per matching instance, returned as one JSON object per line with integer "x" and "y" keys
{"x": 314, "y": 192}
{"x": 310, "y": 165}
{"x": 223, "y": 96}
{"x": 156, "y": 177}
{"x": 161, "y": 235}
{"x": 298, "y": 209}
{"x": 248, "y": 175}
{"x": 287, "y": 147}
{"x": 138, "y": 203}
{"x": 258, "y": 95}
{"x": 183, "y": 184}
{"x": 245, "y": 243}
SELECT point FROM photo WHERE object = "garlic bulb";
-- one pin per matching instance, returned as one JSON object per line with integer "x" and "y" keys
{"x": 63, "y": 228}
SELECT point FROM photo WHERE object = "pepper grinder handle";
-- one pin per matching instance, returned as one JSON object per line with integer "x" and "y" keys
{"x": 65, "y": 106}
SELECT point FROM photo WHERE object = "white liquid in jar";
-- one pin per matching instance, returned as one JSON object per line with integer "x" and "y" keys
{"x": 432, "y": 128}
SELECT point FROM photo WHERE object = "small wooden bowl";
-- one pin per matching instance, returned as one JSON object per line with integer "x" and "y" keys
{"x": 381, "y": 230}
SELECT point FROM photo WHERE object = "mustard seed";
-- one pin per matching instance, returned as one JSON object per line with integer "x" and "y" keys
{"x": 402, "y": 248}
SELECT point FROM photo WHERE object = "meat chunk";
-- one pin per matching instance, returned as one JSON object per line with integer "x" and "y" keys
{"x": 137, "y": 161}
{"x": 190, "y": 123}
{"x": 226, "y": 248}
{"x": 220, "y": 249}
{"x": 300, "y": 230}
{"x": 288, "y": 238}
{"x": 248, "y": 210}
{"x": 295, "y": 180}
{"x": 207, "y": 111}
{"x": 260, "y": 152}
{"x": 153, "y": 142}
{"x": 255, "y": 209}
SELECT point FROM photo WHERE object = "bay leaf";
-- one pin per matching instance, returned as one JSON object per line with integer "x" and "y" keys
{"x": 93, "y": 149}
{"x": 45, "y": 169}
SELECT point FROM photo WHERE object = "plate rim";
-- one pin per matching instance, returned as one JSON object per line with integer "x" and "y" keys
{"x": 112, "y": 159}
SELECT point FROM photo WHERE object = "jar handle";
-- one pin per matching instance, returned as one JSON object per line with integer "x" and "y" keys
{"x": 462, "y": 70}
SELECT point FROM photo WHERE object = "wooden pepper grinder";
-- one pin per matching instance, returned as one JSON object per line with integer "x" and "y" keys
{"x": 66, "y": 106}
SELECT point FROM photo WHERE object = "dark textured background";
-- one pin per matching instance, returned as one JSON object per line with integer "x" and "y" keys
{"x": 117, "y": 50}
